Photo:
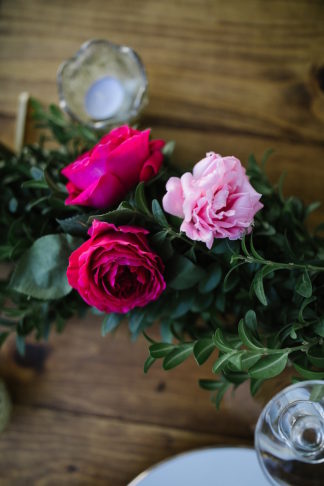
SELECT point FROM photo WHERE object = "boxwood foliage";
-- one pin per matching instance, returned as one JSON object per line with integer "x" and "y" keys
{"x": 248, "y": 307}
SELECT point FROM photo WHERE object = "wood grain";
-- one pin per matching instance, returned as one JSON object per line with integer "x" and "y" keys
{"x": 234, "y": 77}
{"x": 71, "y": 448}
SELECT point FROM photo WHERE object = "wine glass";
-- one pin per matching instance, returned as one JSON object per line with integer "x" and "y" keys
{"x": 289, "y": 436}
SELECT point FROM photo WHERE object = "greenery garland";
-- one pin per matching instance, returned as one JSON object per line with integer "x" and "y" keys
{"x": 258, "y": 300}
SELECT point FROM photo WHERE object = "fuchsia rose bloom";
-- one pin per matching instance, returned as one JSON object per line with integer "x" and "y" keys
{"x": 115, "y": 270}
{"x": 215, "y": 201}
{"x": 103, "y": 176}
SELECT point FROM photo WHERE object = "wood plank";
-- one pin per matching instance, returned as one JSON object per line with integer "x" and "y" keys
{"x": 82, "y": 372}
{"x": 49, "y": 447}
{"x": 257, "y": 69}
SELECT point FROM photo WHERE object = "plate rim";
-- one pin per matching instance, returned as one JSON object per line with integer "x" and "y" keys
{"x": 146, "y": 472}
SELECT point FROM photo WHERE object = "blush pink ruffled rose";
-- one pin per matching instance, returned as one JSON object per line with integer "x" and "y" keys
{"x": 103, "y": 176}
{"x": 115, "y": 270}
{"x": 216, "y": 200}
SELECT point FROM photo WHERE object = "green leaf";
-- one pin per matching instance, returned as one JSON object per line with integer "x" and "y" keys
{"x": 75, "y": 225}
{"x": 148, "y": 363}
{"x": 110, "y": 322}
{"x": 247, "y": 338}
{"x": 3, "y": 336}
{"x": 316, "y": 356}
{"x": 33, "y": 184}
{"x": 41, "y": 271}
{"x": 21, "y": 345}
{"x": 305, "y": 304}
{"x": 185, "y": 274}
{"x": 135, "y": 322}
{"x": 249, "y": 359}
{"x": 250, "y": 320}
{"x": 160, "y": 350}
{"x": 236, "y": 360}
{"x": 203, "y": 349}
{"x": 168, "y": 148}
{"x": 255, "y": 385}
{"x": 210, "y": 385}
{"x": 269, "y": 366}
{"x": 140, "y": 199}
{"x": 253, "y": 250}
{"x": 117, "y": 216}
{"x": 266, "y": 155}
{"x": 319, "y": 327}
{"x": 258, "y": 288}
{"x": 177, "y": 356}
{"x": 227, "y": 284}
{"x": 303, "y": 370}
{"x": 220, "y": 394}
{"x": 159, "y": 214}
{"x": 212, "y": 279}
{"x": 221, "y": 362}
{"x": 235, "y": 377}
{"x": 221, "y": 343}
{"x": 304, "y": 285}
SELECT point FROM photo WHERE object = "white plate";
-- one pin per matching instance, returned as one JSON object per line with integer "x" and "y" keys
{"x": 229, "y": 466}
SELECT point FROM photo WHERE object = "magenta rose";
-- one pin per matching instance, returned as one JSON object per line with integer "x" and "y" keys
{"x": 215, "y": 201}
{"x": 103, "y": 176}
{"x": 115, "y": 270}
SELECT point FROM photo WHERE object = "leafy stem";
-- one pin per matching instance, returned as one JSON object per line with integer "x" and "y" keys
{"x": 288, "y": 266}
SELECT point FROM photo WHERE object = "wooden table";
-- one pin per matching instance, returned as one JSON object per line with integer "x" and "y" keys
{"x": 233, "y": 77}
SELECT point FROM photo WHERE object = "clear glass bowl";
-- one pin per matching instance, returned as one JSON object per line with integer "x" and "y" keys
{"x": 104, "y": 84}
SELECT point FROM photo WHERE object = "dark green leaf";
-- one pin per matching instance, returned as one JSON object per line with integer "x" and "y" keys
{"x": 110, "y": 322}
{"x": 221, "y": 343}
{"x": 227, "y": 283}
{"x": 75, "y": 225}
{"x": 34, "y": 184}
{"x": 117, "y": 216}
{"x": 3, "y": 336}
{"x": 177, "y": 356}
{"x": 41, "y": 272}
{"x": 220, "y": 394}
{"x": 20, "y": 345}
{"x": 249, "y": 359}
{"x": 250, "y": 320}
{"x": 159, "y": 214}
{"x": 140, "y": 199}
{"x": 247, "y": 338}
{"x": 304, "y": 285}
{"x": 269, "y": 366}
{"x": 305, "y": 372}
{"x": 235, "y": 377}
{"x": 160, "y": 350}
{"x": 185, "y": 274}
{"x": 222, "y": 361}
{"x": 316, "y": 356}
{"x": 266, "y": 155}
{"x": 258, "y": 288}
{"x": 319, "y": 327}
{"x": 212, "y": 279}
{"x": 210, "y": 385}
{"x": 255, "y": 385}
{"x": 203, "y": 349}
{"x": 148, "y": 363}
{"x": 168, "y": 148}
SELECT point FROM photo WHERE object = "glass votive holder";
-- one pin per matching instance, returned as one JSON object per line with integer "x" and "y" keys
{"x": 104, "y": 84}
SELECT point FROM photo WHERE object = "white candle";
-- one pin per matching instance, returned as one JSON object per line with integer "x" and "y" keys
{"x": 104, "y": 98}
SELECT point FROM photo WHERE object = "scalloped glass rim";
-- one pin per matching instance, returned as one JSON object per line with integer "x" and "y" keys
{"x": 140, "y": 98}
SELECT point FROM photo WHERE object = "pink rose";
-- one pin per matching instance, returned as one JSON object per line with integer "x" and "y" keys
{"x": 215, "y": 201}
{"x": 115, "y": 270}
{"x": 103, "y": 176}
